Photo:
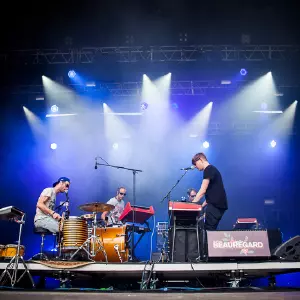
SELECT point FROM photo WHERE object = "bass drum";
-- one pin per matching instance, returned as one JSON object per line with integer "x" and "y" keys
{"x": 74, "y": 233}
{"x": 115, "y": 244}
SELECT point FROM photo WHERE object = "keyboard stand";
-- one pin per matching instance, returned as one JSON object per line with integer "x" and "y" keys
{"x": 130, "y": 232}
{"x": 12, "y": 267}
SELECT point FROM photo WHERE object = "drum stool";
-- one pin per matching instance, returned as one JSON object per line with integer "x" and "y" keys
{"x": 43, "y": 232}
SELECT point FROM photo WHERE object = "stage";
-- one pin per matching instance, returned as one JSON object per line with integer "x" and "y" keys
{"x": 244, "y": 294}
{"x": 162, "y": 271}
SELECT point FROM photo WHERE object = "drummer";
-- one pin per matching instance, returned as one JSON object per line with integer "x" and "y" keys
{"x": 112, "y": 217}
{"x": 45, "y": 216}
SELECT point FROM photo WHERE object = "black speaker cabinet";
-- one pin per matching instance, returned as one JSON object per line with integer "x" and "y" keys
{"x": 185, "y": 245}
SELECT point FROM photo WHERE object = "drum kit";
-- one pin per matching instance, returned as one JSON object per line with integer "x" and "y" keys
{"x": 88, "y": 236}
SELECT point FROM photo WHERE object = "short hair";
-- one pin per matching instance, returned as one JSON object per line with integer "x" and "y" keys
{"x": 120, "y": 187}
{"x": 190, "y": 190}
{"x": 198, "y": 156}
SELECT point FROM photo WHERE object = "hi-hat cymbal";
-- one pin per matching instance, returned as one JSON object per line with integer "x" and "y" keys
{"x": 96, "y": 207}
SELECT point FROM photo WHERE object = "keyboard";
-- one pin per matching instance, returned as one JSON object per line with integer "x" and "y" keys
{"x": 184, "y": 206}
{"x": 142, "y": 213}
{"x": 10, "y": 212}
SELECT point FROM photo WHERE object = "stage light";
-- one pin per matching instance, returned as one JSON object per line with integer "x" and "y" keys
{"x": 144, "y": 106}
{"x": 225, "y": 81}
{"x": 115, "y": 146}
{"x": 54, "y": 108}
{"x": 53, "y": 146}
{"x": 273, "y": 143}
{"x": 205, "y": 144}
{"x": 71, "y": 74}
{"x": 243, "y": 72}
{"x": 90, "y": 84}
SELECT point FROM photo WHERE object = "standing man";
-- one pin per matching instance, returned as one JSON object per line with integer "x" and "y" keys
{"x": 112, "y": 217}
{"x": 45, "y": 216}
{"x": 213, "y": 189}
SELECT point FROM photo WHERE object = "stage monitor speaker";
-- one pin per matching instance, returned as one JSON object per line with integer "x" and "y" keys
{"x": 237, "y": 244}
{"x": 290, "y": 250}
{"x": 275, "y": 239}
{"x": 185, "y": 246}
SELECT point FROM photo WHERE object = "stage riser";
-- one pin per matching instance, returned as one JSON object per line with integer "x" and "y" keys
{"x": 15, "y": 295}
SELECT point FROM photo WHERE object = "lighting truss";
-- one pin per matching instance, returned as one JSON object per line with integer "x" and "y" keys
{"x": 131, "y": 89}
{"x": 132, "y": 54}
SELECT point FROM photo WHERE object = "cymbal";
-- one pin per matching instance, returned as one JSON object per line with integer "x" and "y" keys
{"x": 96, "y": 207}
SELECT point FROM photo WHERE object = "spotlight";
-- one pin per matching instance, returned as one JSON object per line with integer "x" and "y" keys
{"x": 115, "y": 146}
{"x": 144, "y": 106}
{"x": 53, "y": 146}
{"x": 243, "y": 72}
{"x": 71, "y": 74}
{"x": 90, "y": 84}
{"x": 273, "y": 144}
{"x": 206, "y": 144}
{"x": 54, "y": 108}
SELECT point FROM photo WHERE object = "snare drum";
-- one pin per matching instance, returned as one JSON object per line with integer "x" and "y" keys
{"x": 2, "y": 248}
{"x": 114, "y": 242}
{"x": 75, "y": 233}
{"x": 11, "y": 250}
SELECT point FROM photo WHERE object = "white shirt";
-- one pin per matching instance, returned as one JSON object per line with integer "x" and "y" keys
{"x": 113, "y": 215}
{"x": 48, "y": 192}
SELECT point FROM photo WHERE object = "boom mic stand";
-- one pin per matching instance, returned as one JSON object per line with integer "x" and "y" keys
{"x": 173, "y": 187}
{"x": 67, "y": 214}
{"x": 168, "y": 196}
{"x": 134, "y": 172}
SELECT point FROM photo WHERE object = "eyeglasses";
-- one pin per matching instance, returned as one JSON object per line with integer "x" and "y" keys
{"x": 122, "y": 194}
{"x": 67, "y": 185}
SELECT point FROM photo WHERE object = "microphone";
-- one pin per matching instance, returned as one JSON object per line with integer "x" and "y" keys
{"x": 67, "y": 194}
{"x": 189, "y": 168}
{"x": 96, "y": 163}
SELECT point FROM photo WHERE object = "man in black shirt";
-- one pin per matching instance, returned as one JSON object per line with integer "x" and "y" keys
{"x": 213, "y": 189}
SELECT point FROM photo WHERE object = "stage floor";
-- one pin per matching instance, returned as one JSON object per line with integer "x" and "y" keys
{"x": 242, "y": 295}
{"x": 164, "y": 270}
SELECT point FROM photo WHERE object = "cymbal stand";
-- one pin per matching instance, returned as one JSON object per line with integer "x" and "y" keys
{"x": 12, "y": 268}
{"x": 95, "y": 239}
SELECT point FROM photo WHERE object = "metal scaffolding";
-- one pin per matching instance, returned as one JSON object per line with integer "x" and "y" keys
{"x": 132, "y": 54}
{"x": 190, "y": 88}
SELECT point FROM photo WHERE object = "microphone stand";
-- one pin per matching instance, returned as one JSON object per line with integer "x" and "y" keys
{"x": 67, "y": 214}
{"x": 173, "y": 187}
{"x": 168, "y": 196}
{"x": 134, "y": 172}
